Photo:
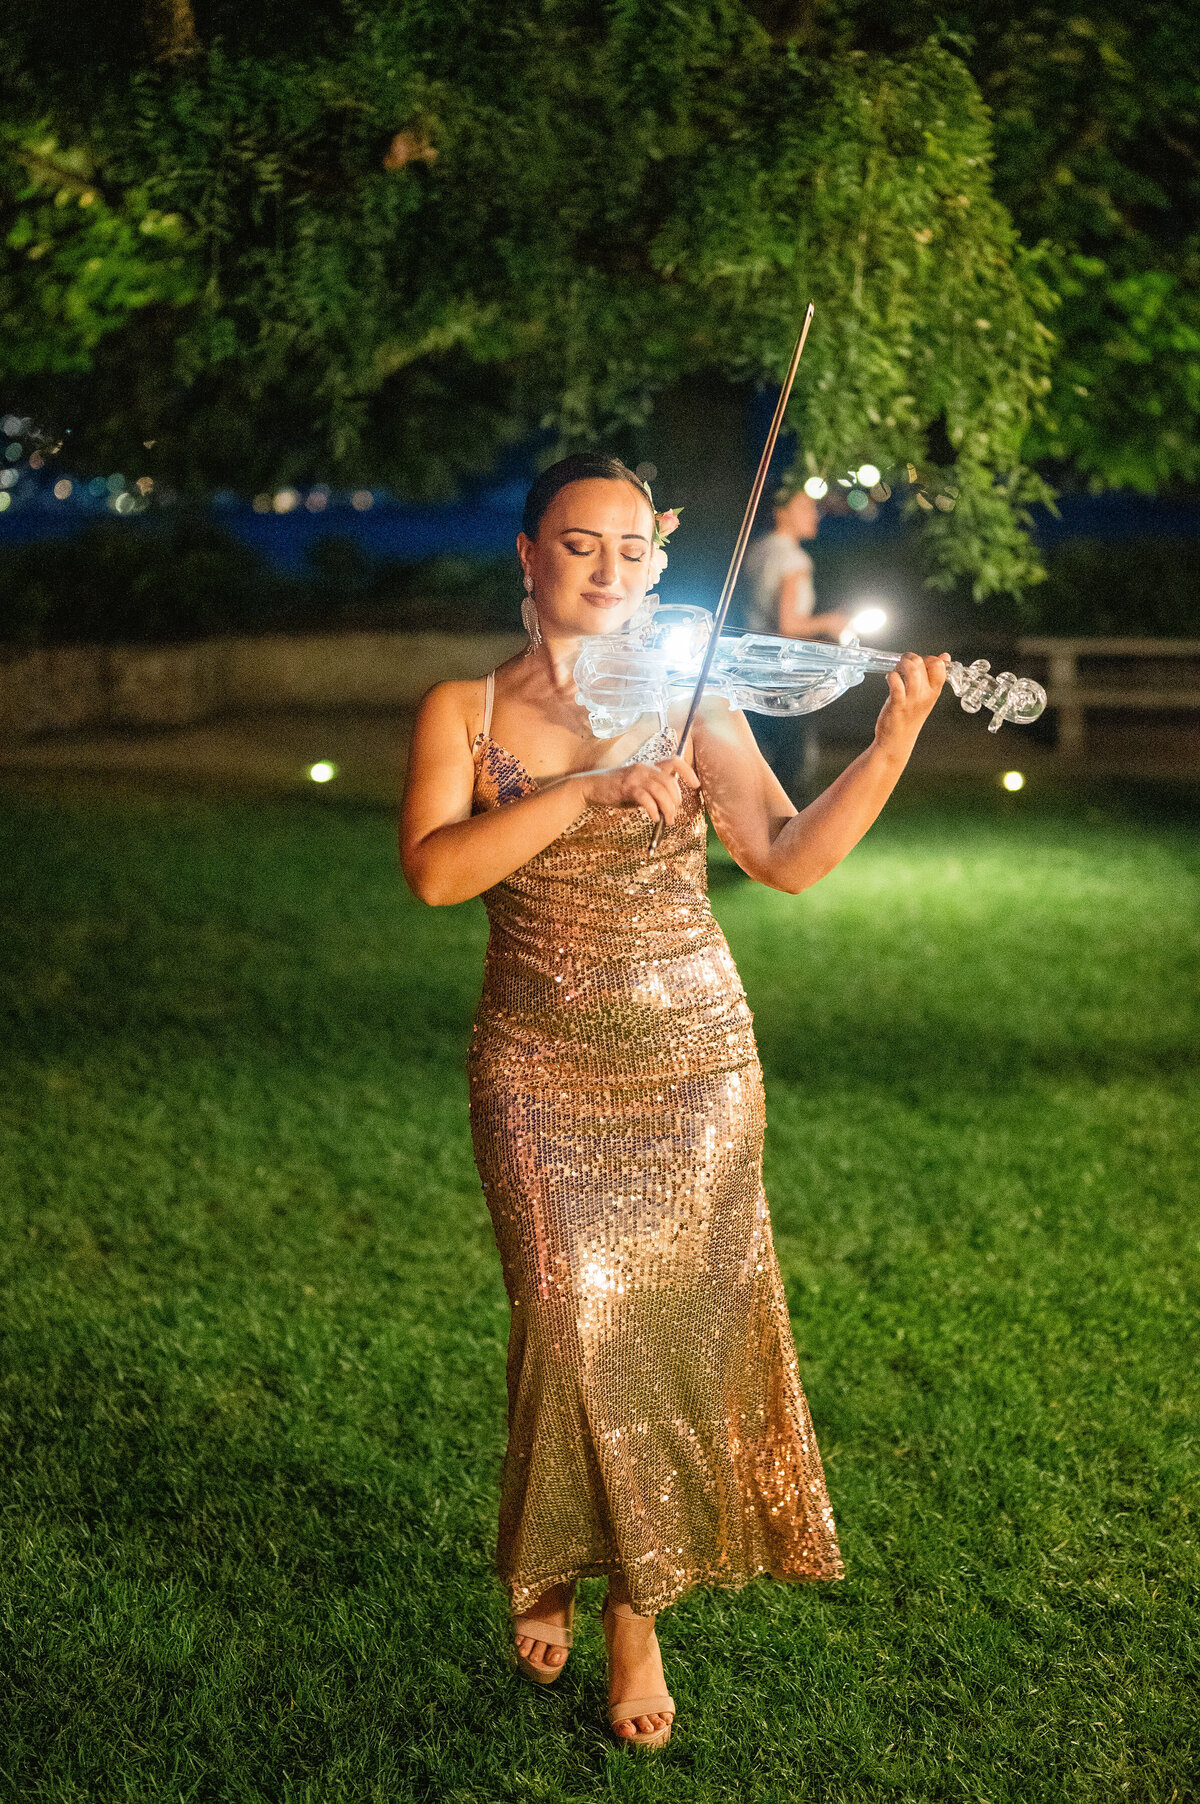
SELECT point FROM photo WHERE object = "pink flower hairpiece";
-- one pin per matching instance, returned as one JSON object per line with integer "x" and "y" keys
{"x": 665, "y": 524}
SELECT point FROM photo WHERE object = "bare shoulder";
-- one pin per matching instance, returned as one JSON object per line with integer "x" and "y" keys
{"x": 453, "y": 709}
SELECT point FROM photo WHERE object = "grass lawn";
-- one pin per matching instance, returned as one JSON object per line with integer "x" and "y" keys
{"x": 253, "y": 1325}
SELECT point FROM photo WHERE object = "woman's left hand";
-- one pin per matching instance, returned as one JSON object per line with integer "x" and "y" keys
{"x": 914, "y": 686}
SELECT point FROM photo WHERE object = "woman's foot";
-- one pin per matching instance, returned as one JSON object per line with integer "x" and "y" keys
{"x": 635, "y": 1671}
{"x": 553, "y": 1609}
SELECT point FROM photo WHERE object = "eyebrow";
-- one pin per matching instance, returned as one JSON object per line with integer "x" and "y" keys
{"x": 592, "y": 533}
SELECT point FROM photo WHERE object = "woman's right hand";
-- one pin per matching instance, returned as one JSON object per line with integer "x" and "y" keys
{"x": 654, "y": 788}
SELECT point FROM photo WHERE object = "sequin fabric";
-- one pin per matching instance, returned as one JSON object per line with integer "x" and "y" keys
{"x": 657, "y": 1424}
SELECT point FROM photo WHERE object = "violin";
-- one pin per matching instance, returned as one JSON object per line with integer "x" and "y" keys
{"x": 620, "y": 677}
{"x": 675, "y": 650}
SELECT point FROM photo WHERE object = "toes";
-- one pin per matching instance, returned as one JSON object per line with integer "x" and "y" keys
{"x": 555, "y": 1656}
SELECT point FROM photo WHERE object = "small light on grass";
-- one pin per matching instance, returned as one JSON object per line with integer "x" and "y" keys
{"x": 322, "y": 771}
{"x": 1013, "y": 780}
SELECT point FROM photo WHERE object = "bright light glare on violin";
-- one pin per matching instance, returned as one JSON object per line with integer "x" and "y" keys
{"x": 678, "y": 642}
{"x": 816, "y": 487}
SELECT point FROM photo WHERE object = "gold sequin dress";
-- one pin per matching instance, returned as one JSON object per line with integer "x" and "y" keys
{"x": 657, "y": 1424}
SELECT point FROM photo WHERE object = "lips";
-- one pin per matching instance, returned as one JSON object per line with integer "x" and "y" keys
{"x": 599, "y": 600}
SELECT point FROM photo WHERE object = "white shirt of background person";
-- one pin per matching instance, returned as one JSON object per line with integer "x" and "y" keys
{"x": 779, "y": 575}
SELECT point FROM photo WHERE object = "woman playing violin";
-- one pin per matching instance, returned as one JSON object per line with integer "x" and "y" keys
{"x": 659, "y": 1435}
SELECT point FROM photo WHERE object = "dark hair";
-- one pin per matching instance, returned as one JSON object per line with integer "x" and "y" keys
{"x": 584, "y": 466}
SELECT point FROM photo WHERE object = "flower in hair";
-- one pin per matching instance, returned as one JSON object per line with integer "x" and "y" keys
{"x": 665, "y": 524}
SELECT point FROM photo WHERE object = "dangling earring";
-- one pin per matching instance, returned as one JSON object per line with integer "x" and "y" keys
{"x": 529, "y": 619}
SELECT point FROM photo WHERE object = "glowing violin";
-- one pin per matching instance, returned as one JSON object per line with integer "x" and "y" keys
{"x": 623, "y": 676}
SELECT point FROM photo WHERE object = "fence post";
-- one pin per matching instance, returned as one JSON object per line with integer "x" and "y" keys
{"x": 1063, "y": 687}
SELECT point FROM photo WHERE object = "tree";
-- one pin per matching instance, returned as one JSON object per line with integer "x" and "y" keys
{"x": 404, "y": 234}
{"x": 1095, "y": 110}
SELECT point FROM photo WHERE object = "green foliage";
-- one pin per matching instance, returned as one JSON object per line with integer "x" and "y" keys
{"x": 252, "y": 1401}
{"x": 1098, "y": 155}
{"x": 1096, "y": 131}
{"x": 81, "y": 261}
{"x": 588, "y": 207}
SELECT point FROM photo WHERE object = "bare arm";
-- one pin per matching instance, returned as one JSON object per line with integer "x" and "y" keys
{"x": 448, "y": 855}
{"x": 758, "y": 824}
{"x": 796, "y": 618}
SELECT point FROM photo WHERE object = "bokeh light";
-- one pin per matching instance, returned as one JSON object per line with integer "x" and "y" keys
{"x": 62, "y": 488}
{"x": 7, "y": 478}
{"x": 1012, "y": 780}
{"x": 262, "y": 504}
{"x": 115, "y": 483}
{"x": 322, "y": 771}
{"x": 858, "y": 499}
{"x": 285, "y": 500}
{"x": 869, "y": 618}
{"x": 361, "y": 498}
{"x": 317, "y": 500}
{"x": 868, "y": 475}
{"x": 5, "y": 499}
{"x": 817, "y": 487}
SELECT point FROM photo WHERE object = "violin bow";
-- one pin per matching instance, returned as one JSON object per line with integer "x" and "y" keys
{"x": 739, "y": 549}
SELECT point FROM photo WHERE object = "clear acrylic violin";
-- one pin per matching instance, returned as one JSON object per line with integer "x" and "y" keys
{"x": 621, "y": 677}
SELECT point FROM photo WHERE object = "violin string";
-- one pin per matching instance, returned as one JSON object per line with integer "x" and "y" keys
{"x": 739, "y": 549}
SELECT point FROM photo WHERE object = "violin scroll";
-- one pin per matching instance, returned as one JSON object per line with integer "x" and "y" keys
{"x": 1009, "y": 697}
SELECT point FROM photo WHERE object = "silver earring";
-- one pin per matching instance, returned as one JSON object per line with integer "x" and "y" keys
{"x": 529, "y": 619}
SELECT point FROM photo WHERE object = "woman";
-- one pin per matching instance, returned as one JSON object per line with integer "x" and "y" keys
{"x": 658, "y": 1432}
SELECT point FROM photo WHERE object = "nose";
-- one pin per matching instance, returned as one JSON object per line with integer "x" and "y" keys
{"x": 605, "y": 573}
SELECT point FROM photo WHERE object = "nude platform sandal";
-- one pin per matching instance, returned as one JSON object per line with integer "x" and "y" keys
{"x": 551, "y": 1632}
{"x": 627, "y": 1708}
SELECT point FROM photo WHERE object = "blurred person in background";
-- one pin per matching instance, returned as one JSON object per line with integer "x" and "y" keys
{"x": 780, "y": 600}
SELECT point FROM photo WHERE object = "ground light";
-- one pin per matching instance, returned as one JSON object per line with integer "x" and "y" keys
{"x": 322, "y": 771}
{"x": 1013, "y": 779}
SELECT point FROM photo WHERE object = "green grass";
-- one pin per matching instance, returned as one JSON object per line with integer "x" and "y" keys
{"x": 253, "y": 1324}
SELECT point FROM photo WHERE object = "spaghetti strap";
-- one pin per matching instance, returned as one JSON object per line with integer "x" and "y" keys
{"x": 489, "y": 698}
